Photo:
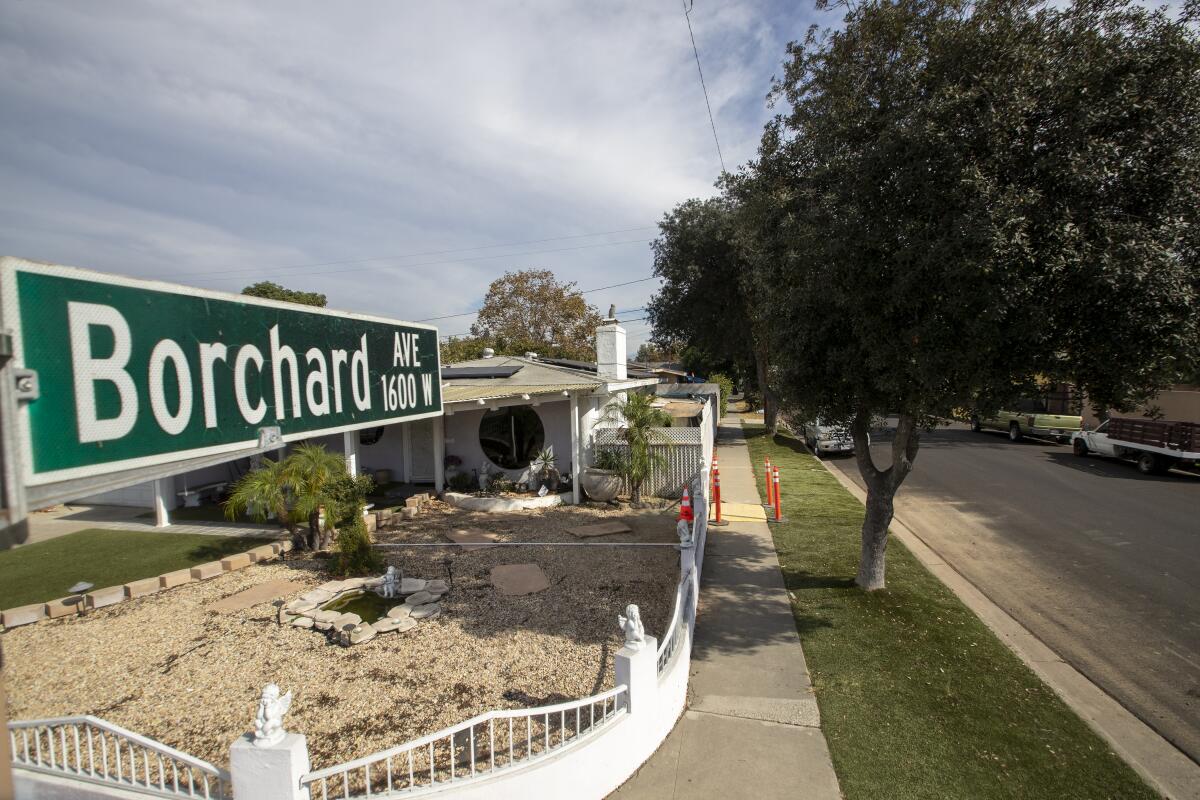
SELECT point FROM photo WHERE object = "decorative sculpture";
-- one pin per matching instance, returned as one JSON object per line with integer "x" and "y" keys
{"x": 391, "y": 583}
{"x": 683, "y": 529}
{"x": 268, "y": 723}
{"x": 631, "y": 623}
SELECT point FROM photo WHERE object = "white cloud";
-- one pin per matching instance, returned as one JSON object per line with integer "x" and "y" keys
{"x": 184, "y": 141}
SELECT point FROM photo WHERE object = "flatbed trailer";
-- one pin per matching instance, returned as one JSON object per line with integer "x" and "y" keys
{"x": 1155, "y": 445}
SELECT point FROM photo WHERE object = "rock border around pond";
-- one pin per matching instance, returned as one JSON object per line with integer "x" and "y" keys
{"x": 415, "y": 598}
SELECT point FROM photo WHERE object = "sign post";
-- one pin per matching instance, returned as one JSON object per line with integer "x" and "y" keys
{"x": 120, "y": 381}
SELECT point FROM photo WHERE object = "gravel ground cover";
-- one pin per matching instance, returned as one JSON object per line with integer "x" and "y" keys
{"x": 168, "y": 667}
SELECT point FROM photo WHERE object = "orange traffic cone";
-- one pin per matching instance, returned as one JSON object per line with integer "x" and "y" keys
{"x": 685, "y": 507}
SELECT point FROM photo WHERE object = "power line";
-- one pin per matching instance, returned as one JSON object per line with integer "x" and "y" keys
{"x": 430, "y": 252}
{"x": 687, "y": 12}
{"x": 255, "y": 273}
{"x": 585, "y": 291}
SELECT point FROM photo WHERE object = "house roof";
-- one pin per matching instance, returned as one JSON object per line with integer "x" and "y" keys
{"x": 633, "y": 370}
{"x": 530, "y": 377}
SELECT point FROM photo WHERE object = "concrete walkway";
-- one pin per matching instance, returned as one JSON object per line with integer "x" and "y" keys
{"x": 60, "y": 521}
{"x": 751, "y": 728}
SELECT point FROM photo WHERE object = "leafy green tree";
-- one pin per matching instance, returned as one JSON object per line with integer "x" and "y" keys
{"x": 726, "y": 384}
{"x": 463, "y": 348}
{"x": 636, "y": 418}
{"x": 273, "y": 291}
{"x": 530, "y": 311}
{"x": 959, "y": 197}
{"x": 657, "y": 351}
{"x": 708, "y": 297}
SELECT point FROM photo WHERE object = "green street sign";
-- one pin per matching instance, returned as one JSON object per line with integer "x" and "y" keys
{"x": 133, "y": 373}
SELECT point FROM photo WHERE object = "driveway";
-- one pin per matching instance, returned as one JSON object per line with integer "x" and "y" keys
{"x": 1097, "y": 560}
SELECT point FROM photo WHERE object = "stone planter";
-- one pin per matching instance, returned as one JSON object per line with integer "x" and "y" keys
{"x": 601, "y": 485}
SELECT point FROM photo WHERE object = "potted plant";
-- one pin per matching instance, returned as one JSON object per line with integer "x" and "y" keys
{"x": 603, "y": 481}
{"x": 543, "y": 473}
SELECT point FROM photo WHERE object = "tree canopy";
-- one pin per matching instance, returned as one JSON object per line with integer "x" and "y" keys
{"x": 273, "y": 291}
{"x": 529, "y": 310}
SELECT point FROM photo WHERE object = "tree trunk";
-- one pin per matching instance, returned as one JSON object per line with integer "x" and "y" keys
{"x": 314, "y": 533}
{"x": 770, "y": 405}
{"x": 881, "y": 493}
{"x": 635, "y": 492}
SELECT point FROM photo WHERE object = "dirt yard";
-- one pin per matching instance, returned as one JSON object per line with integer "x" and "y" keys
{"x": 169, "y": 667}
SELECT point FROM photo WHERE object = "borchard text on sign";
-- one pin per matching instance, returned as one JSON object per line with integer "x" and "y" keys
{"x": 136, "y": 373}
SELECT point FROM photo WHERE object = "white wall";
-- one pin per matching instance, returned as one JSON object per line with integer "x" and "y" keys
{"x": 462, "y": 437}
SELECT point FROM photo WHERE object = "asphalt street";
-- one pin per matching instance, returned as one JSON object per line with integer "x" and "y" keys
{"x": 1097, "y": 560}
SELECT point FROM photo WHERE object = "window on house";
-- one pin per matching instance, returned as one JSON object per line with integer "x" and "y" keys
{"x": 511, "y": 437}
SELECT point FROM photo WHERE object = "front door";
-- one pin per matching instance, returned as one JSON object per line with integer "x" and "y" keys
{"x": 420, "y": 451}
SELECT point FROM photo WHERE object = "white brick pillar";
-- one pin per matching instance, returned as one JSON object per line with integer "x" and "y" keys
{"x": 638, "y": 669}
{"x": 439, "y": 454}
{"x": 269, "y": 773}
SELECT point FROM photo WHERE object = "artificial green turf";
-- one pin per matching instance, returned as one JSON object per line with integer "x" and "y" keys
{"x": 918, "y": 698}
{"x": 44, "y": 571}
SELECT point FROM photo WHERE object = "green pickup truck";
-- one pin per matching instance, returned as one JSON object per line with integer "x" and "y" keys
{"x": 1030, "y": 419}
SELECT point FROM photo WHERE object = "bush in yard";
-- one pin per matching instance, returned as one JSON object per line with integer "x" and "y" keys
{"x": 355, "y": 556}
{"x": 726, "y": 384}
{"x": 636, "y": 418}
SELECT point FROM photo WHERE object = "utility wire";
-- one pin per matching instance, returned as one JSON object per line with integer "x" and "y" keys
{"x": 585, "y": 291}
{"x": 687, "y": 12}
{"x": 429, "y": 252}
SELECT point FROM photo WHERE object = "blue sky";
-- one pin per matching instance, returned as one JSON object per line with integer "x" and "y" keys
{"x": 220, "y": 143}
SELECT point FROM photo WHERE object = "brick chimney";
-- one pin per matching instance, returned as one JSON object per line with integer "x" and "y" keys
{"x": 610, "y": 348}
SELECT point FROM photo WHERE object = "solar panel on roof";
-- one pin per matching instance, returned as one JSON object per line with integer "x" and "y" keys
{"x": 479, "y": 372}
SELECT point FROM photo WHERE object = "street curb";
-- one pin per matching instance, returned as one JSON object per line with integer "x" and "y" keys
{"x": 1168, "y": 770}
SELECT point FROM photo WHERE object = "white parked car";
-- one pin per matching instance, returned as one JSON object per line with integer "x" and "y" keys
{"x": 823, "y": 437}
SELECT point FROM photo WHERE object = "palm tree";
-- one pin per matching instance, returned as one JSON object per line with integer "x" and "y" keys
{"x": 636, "y": 419}
{"x": 261, "y": 493}
{"x": 309, "y": 471}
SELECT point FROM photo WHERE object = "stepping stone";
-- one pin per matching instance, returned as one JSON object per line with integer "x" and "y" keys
{"x": 323, "y": 620}
{"x": 285, "y": 617}
{"x": 239, "y": 561}
{"x": 362, "y": 633}
{"x": 202, "y": 572}
{"x": 599, "y": 529}
{"x": 427, "y": 611}
{"x": 400, "y": 612}
{"x": 299, "y": 606}
{"x": 389, "y": 624}
{"x": 418, "y": 599}
{"x": 372, "y": 583}
{"x": 177, "y": 578}
{"x": 64, "y": 606}
{"x": 23, "y": 615}
{"x": 412, "y": 585}
{"x": 517, "y": 579}
{"x": 354, "y": 583}
{"x": 346, "y": 619}
{"x": 143, "y": 587}
{"x": 262, "y": 593}
{"x": 437, "y": 586}
{"x": 317, "y": 596}
{"x": 303, "y": 622}
{"x": 473, "y": 538}
{"x": 333, "y": 587}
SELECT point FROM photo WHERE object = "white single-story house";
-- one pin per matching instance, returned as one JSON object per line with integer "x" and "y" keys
{"x": 501, "y": 410}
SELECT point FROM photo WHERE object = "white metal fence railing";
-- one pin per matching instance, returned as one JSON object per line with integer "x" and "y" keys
{"x": 682, "y": 458}
{"x": 90, "y": 749}
{"x": 478, "y": 748}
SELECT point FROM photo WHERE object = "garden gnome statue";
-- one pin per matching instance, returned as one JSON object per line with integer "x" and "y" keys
{"x": 268, "y": 723}
{"x": 391, "y": 582}
{"x": 683, "y": 529}
{"x": 631, "y": 623}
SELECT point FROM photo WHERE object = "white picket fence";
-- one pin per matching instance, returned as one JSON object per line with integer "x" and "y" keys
{"x": 92, "y": 750}
{"x": 582, "y": 748}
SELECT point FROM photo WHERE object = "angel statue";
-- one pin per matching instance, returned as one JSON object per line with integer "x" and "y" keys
{"x": 391, "y": 582}
{"x": 631, "y": 623}
{"x": 268, "y": 723}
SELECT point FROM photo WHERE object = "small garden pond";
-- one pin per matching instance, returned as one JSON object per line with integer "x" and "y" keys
{"x": 368, "y": 605}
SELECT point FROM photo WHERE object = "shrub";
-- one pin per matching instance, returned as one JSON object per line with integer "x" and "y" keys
{"x": 463, "y": 482}
{"x": 726, "y": 384}
{"x": 355, "y": 556}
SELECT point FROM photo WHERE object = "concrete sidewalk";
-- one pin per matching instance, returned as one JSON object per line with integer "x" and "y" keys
{"x": 751, "y": 728}
{"x": 45, "y": 525}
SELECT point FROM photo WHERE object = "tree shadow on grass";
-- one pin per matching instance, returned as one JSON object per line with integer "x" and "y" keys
{"x": 222, "y": 548}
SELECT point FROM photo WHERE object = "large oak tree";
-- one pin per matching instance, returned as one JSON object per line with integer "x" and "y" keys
{"x": 971, "y": 195}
